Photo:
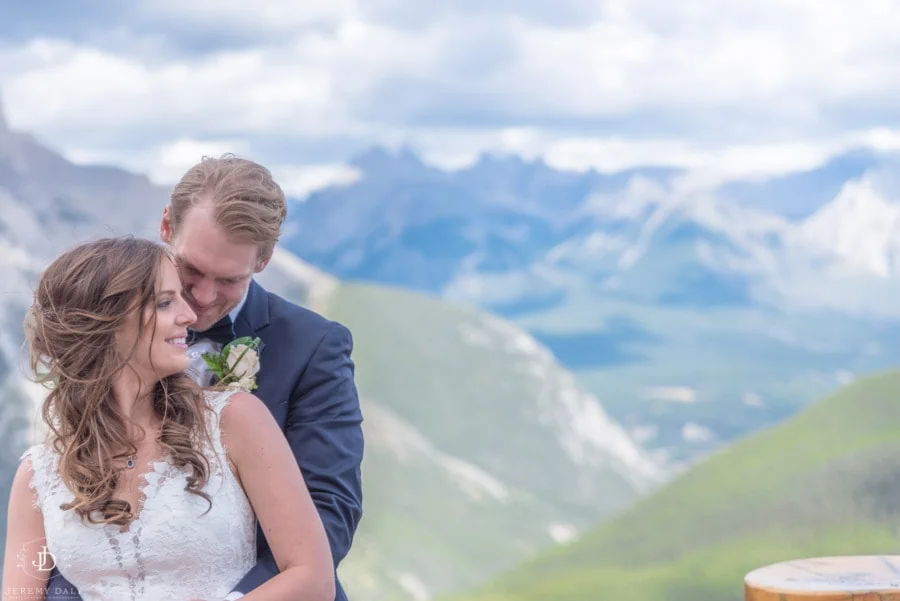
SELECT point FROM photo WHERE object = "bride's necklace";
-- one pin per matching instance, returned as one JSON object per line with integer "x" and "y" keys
{"x": 130, "y": 462}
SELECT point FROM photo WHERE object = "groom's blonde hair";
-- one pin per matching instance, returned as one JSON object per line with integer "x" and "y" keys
{"x": 247, "y": 202}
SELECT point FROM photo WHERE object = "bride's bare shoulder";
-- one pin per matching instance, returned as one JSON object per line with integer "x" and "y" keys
{"x": 246, "y": 419}
{"x": 243, "y": 405}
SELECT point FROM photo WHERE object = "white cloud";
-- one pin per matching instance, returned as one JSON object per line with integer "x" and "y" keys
{"x": 752, "y": 399}
{"x": 674, "y": 394}
{"x": 790, "y": 61}
{"x": 175, "y": 158}
{"x": 300, "y": 181}
{"x": 739, "y": 88}
{"x": 77, "y": 88}
{"x": 163, "y": 164}
{"x": 691, "y": 432}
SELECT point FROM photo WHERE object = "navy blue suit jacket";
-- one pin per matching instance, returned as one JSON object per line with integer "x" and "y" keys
{"x": 306, "y": 380}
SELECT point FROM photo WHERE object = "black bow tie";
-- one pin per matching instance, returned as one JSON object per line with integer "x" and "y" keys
{"x": 222, "y": 332}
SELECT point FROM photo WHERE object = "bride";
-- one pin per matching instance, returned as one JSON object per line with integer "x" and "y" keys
{"x": 147, "y": 487}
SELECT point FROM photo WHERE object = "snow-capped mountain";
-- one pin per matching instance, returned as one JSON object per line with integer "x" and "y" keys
{"x": 860, "y": 227}
{"x": 506, "y": 234}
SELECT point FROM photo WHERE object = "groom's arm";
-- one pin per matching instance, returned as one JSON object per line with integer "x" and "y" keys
{"x": 324, "y": 429}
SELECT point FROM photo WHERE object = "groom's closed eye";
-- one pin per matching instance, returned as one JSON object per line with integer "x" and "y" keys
{"x": 191, "y": 270}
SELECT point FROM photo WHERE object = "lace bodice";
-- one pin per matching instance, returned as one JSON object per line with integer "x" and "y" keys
{"x": 172, "y": 551}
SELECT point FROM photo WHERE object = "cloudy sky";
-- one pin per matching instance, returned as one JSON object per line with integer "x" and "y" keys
{"x": 728, "y": 86}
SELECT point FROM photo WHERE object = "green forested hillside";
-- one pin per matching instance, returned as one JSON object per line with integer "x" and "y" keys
{"x": 825, "y": 482}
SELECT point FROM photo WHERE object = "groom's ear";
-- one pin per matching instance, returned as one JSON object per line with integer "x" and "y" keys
{"x": 165, "y": 226}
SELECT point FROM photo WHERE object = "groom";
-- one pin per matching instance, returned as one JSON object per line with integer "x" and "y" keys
{"x": 223, "y": 221}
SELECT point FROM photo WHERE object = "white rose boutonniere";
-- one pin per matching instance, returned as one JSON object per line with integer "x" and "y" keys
{"x": 237, "y": 364}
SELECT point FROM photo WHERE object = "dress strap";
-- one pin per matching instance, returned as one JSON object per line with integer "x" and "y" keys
{"x": 45, "y": 480}
{"x": 218, "y": 399}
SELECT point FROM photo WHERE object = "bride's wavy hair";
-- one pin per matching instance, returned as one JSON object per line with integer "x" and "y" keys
{"x": 81, "y": 302}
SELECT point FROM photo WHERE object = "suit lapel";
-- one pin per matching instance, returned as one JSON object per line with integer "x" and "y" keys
{"x": 254, "y": 315}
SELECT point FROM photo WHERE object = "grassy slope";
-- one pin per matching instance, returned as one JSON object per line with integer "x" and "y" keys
{"x": 825, "y": 482}
{"x": 475, "y": 401}
{"x": 471, "y": 403}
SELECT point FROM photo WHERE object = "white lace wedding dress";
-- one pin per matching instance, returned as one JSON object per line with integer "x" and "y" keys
{"x": 171, "y": 552}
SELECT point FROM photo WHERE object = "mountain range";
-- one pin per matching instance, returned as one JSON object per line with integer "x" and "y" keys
{"x": 481, "y": 448}
{"x": 699, "y": 312}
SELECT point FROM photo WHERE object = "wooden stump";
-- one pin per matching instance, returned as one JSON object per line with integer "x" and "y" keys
{"x": 853, "y": 578}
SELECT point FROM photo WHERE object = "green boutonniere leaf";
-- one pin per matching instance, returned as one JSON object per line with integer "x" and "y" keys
{"x": 223, "y": 369}
{"x": 211, "y": 360}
